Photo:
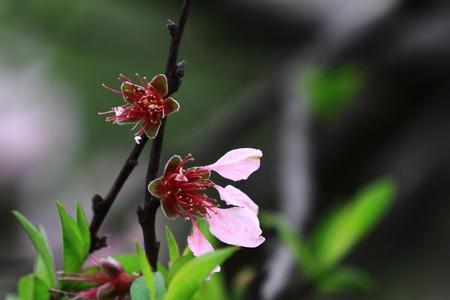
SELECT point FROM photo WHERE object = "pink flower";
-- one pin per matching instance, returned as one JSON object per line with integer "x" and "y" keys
{"x": 183, "y": 193}
{"x": 146, "y": 104}
{"x": 113, "y": 283}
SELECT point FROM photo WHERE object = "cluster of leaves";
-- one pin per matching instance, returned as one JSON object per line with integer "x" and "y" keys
{"x": 185, "y": 278}
{"x": 76, "y": 243}
{"x": 340, "y": 230}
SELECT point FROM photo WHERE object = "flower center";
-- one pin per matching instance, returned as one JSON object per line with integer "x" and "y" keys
{"x": 187, "y": 188}
{"x": 152, "y": 105}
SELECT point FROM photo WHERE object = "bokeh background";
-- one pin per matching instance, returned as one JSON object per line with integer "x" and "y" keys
{"x": 336, "y": 94}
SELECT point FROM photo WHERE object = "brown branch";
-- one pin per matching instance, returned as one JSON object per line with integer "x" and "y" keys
{"x": 101, "y": 206}
{"x": 174, "y": 72}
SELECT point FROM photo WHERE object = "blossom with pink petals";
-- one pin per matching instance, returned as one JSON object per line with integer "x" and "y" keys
{"x": 183, "y": 193}
{"x": 146, "y": 104}
{"x": 113, "y": 283}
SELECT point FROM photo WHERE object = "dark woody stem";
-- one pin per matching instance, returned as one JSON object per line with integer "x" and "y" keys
{"x": 101, "y": 206}
{"x": 174, "y": 72}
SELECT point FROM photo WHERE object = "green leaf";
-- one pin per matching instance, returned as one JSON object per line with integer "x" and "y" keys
{"x": 203, "y": 226}
{"x": 146, "y": 271}
{"x": 40, "y": 289}
{"x": 178, "y": 265}
{"x": 130, "y": 262}
{"x": 83, "y": 227}
{"x": 213, "y": 289}
{"x": 344, "y": 279}
{"x": 31, "y": 287}
{"x": 163, "y": 270}
{"x": 306, "y": 260}
{"x": 43, "y": 252}
{"x": 160, "y": 285}
{"x": 174, "y": 251}
{"x": 139, "y": 290}
{"x": 186, "y": 251}
{"x": 193, "y": 274}
{"x": 40, "y": 269}
{"x": 74, "y": 256}
{"x": 26, "y": 287}
{"x": 337, "y": 234}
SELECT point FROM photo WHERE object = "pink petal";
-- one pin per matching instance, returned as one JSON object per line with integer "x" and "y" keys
{"x": 235, "y": 226}
{"x": 180, "y": 177}
{"x": 237, "y": 164}
{"x": 236, "y": 197}
{"x": 197, "y": 242}
{"x": 199, "y": 245}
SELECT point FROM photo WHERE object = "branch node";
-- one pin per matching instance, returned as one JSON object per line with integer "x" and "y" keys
{"x": 99, "y": 243}
{"x": 98, "y": 203}
{"x": 172, "y": 27}
{"x": 180, "y": 68}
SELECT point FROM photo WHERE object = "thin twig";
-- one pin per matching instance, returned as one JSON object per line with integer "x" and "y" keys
{"x": 174, "y": 72}
{"x": 101, "y": 206}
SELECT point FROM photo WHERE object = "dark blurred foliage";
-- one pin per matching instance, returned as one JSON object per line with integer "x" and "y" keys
{"x": 336, "y": 93}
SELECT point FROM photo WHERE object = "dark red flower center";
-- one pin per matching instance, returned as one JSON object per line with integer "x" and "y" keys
{"x": 186, "y": 190}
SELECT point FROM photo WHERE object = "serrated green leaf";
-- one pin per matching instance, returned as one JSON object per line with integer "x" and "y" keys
{"x": 83, "y": 227}
{"x": 178, "y": 265}
{"x": 174, "y": 251}
{"x": 345, "y": 226}
{"x": 190, "y": 278}
{"x": 146, "y": 271}
{"x": 306, "y": 260}
{"x": 74, "y": 256}
{"x": 40, "y": 243}
{"x": 130, "y": 262}
{"x": 139, "y": 290}
{"x": 344, "y": 279}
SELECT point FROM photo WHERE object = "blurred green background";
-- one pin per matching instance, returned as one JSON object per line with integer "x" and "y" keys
{"x": 337, "y": 94}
